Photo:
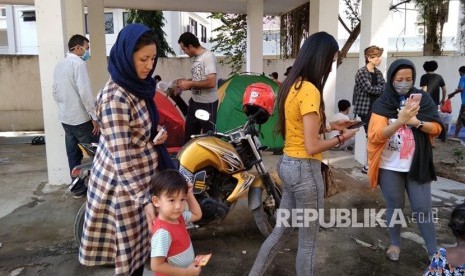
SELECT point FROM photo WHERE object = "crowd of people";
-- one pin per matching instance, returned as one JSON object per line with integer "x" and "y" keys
{"x": 136, "y": 199}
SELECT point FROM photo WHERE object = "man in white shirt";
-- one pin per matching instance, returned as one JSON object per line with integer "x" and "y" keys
{"x": 344, "y": 108}
{"x": 203, "y": 85}
{"x": 76, "y": 103}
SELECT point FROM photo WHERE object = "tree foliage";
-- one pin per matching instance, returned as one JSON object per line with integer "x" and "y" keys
{"x": 462, "y": 5}
{"x": 434, "y": 14}
{"x": 231, "y": 39}
{"x": 352, "y": 14}
{"x": 295, "y": 27}
{"x": 462, "y": 23}
{"x": 155, "y": 21}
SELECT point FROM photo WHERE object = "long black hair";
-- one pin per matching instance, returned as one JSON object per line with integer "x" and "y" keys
{"x": 312, "y": 64}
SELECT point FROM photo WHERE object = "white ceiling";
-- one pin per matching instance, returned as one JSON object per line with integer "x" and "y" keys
{"x": 271, "y": 7}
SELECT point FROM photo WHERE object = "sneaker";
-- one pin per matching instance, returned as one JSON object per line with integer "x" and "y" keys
{"x": 365, "y": 169}
{"x": 393, "y": 253}
{"x": 80, "y": 194}
{"x": 79, "y": 189}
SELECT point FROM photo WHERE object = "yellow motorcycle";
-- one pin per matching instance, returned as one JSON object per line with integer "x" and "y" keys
{"x": 221, "y": 166}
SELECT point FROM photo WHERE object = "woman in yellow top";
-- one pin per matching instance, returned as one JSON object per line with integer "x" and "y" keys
{"x": 400, "y": 156}
{"x": 301, "y": 122}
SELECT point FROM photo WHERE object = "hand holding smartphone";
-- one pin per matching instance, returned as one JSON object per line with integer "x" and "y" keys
{"x": 357, "y": 125}
{"x": 415, "y": 98}
{"x": 159, "y": 134}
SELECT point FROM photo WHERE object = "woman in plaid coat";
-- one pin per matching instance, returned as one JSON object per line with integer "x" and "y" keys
{"x": 118, "y": 214}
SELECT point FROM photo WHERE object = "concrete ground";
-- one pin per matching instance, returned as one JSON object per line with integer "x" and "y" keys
{"x": 36, "y": 225}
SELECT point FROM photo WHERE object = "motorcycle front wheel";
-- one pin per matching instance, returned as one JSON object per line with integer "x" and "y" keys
{"x": 79, "y": 224}
{"x": 265, "y": 215}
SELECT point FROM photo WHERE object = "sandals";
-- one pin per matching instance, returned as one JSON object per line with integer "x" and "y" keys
{"x": 365, "y": 169}
{"x": 38, "y": 140}
{"x": 393, "y": 253}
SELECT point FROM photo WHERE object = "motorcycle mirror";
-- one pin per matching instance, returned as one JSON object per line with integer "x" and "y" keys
{"x": 202, "y": 115}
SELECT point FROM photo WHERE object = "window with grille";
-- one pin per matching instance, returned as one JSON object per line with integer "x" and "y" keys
{"x": 125, "y": 18}
{"x": 203, "y": 36}
{"x": 192, "y": 27}
{"x": 109, "y": 25}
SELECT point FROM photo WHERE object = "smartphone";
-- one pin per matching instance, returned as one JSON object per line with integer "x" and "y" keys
{"x": 160, "y": 133}
{"x": 357, "y": 125}
{"x": 415, "y": 98}
{"x": 202, "y": 260}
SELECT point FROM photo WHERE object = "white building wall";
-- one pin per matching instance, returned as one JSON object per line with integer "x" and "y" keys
{"x": 21, "y": 105}
{"x": 25, "y": 31}
{"x": 171, "y": 29}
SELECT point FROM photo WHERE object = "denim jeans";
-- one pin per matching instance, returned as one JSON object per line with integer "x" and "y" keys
{"x": 393, "y": 185}
{"x": 302, "y": 189}
{"x": 77, "y": 134}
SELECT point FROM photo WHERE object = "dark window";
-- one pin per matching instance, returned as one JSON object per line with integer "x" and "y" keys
{"x": 2, "y": 12}
{"x": 29, "y": 16}
{"x": 203, "y": 37}
{"x": 85, "y": 23}
{"x": 271, "y": 36}
{"x": 192, "y": 27}
{"x": 125, "y": 18}
{"x": 109, "y": 26}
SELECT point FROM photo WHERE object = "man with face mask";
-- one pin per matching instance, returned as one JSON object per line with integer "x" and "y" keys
{"x": 400, "y": 153}
{"x": 76, "y": 103}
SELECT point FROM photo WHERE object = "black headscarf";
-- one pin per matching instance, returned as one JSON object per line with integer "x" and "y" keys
{"x": 388, "y": 104}
{"x": 123, "y": 72}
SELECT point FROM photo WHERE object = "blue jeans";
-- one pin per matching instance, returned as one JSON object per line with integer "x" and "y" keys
{"x": 77, "y": 134}
{"x": 302, "y": 189}
{"x": 393, "y": 185}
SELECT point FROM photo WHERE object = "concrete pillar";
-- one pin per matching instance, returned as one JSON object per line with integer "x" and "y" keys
{"x": 74, "y": 19}
{"x": 254, "y": 61}
{"x": 10, "y": 29}
{"x": 372, "y": 32}
{"x": 97, "y": 64}
{"x": 51, "y": 20}
{"x": 323, "y": 17}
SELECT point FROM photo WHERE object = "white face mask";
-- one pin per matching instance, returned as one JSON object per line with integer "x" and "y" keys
{"x": 402, "y": 87}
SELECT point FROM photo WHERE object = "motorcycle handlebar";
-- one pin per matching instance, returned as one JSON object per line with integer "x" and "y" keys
{"x": 209, "y": 133}
{"x": 248, "y": 127}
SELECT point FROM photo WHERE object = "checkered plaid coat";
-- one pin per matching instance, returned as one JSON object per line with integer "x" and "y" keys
{"x": 364, "y": 92}
{"x": 115, "y": 227}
